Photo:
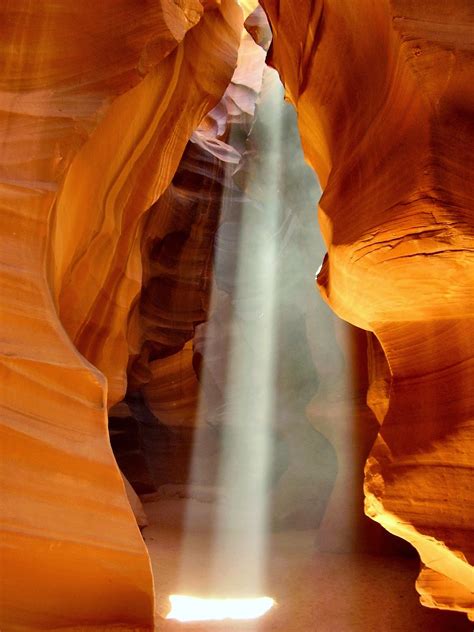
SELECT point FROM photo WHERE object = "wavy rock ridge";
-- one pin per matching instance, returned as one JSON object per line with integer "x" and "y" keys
{"x": 385, "y": 97}
{"x": 98, "y": 103}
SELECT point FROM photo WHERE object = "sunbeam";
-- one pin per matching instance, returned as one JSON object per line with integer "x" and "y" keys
{"x": 245, "y": 424}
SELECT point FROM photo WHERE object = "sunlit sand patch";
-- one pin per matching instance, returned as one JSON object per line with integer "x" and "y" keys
{"x": 185, "y": 608}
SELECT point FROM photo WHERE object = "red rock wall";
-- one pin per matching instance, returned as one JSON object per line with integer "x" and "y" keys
{"x": 178, "y": 249}
{"x": 98, "y": 103}
{"x": 385, "y": 97}
{"x": 177, "y": 252}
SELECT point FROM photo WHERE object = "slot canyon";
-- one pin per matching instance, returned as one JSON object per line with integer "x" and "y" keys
{"x": 237, "y": 316}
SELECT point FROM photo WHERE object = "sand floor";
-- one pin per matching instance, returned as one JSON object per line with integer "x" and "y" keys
{"x": 315, "y": 592}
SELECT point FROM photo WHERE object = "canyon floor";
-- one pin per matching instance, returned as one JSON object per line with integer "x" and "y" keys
{"x": 314, "y": 591}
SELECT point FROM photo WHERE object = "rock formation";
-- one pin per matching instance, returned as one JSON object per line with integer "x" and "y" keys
{"x": 116, "y": 118}
{"x": 98, "y": 103}
{"x": 385, "y": 98}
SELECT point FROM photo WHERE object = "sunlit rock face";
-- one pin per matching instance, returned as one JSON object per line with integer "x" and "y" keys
{"x": 98, "y": 103}
{"x": 385, "y": 95}
{"x": 177, "y": 250}
{"x": 115, "y": 161}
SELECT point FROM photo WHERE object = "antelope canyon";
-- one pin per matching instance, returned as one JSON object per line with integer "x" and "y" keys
{"x": 237, "y": 315}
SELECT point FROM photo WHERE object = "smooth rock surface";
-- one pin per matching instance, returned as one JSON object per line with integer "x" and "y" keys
{"x": 385, "y": 97}
{"x": 98, "y": 101}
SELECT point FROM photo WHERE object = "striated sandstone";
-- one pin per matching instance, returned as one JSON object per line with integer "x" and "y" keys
{"x": 119, "y": 181}
{"x": 385, "y": 97}
{"x": 178, "y": 249}
{"x": 98, "y": 103}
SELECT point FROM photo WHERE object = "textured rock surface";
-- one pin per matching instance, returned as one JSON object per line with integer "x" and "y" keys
{"x": 177, "y": 255}
{"x": 178, "y": 249}
{"x": 385, "y": 98}
{"x": 98, "y": 103}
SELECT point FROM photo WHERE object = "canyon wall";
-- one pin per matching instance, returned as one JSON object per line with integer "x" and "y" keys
{"x": 98, "y": 103}
{"x": 115, "y": 118}
{"x": 385, "y": 95}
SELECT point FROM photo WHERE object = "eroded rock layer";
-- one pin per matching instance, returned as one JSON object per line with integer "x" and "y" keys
{"x": 116, "y": 117}
{"x": 385, "y": 98}
{"x": 98, "y": 101}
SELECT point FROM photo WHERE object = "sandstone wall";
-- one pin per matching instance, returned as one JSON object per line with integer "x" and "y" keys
{"x": 98, "y": 103}
{"x": 385, "y": 99}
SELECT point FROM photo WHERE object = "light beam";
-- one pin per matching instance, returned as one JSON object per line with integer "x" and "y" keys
{"x": 237, "y": 555}
{"x": 184, "y": 608}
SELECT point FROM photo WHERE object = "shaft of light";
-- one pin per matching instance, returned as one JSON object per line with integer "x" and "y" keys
{"x": 236, "y": 561}
{"x": 185, "y": 608}
{"x": 250, "y": 394}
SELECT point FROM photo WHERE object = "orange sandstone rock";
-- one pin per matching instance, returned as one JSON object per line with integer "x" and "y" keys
{"x": 120, "y": 180}
{"x": 98, "y": 101}
{"x": 178, "y": 249}
{"x": 385, "y": 97}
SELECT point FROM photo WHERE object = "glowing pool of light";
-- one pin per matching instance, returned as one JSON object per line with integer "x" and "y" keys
{"x": 199, "y": 609}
